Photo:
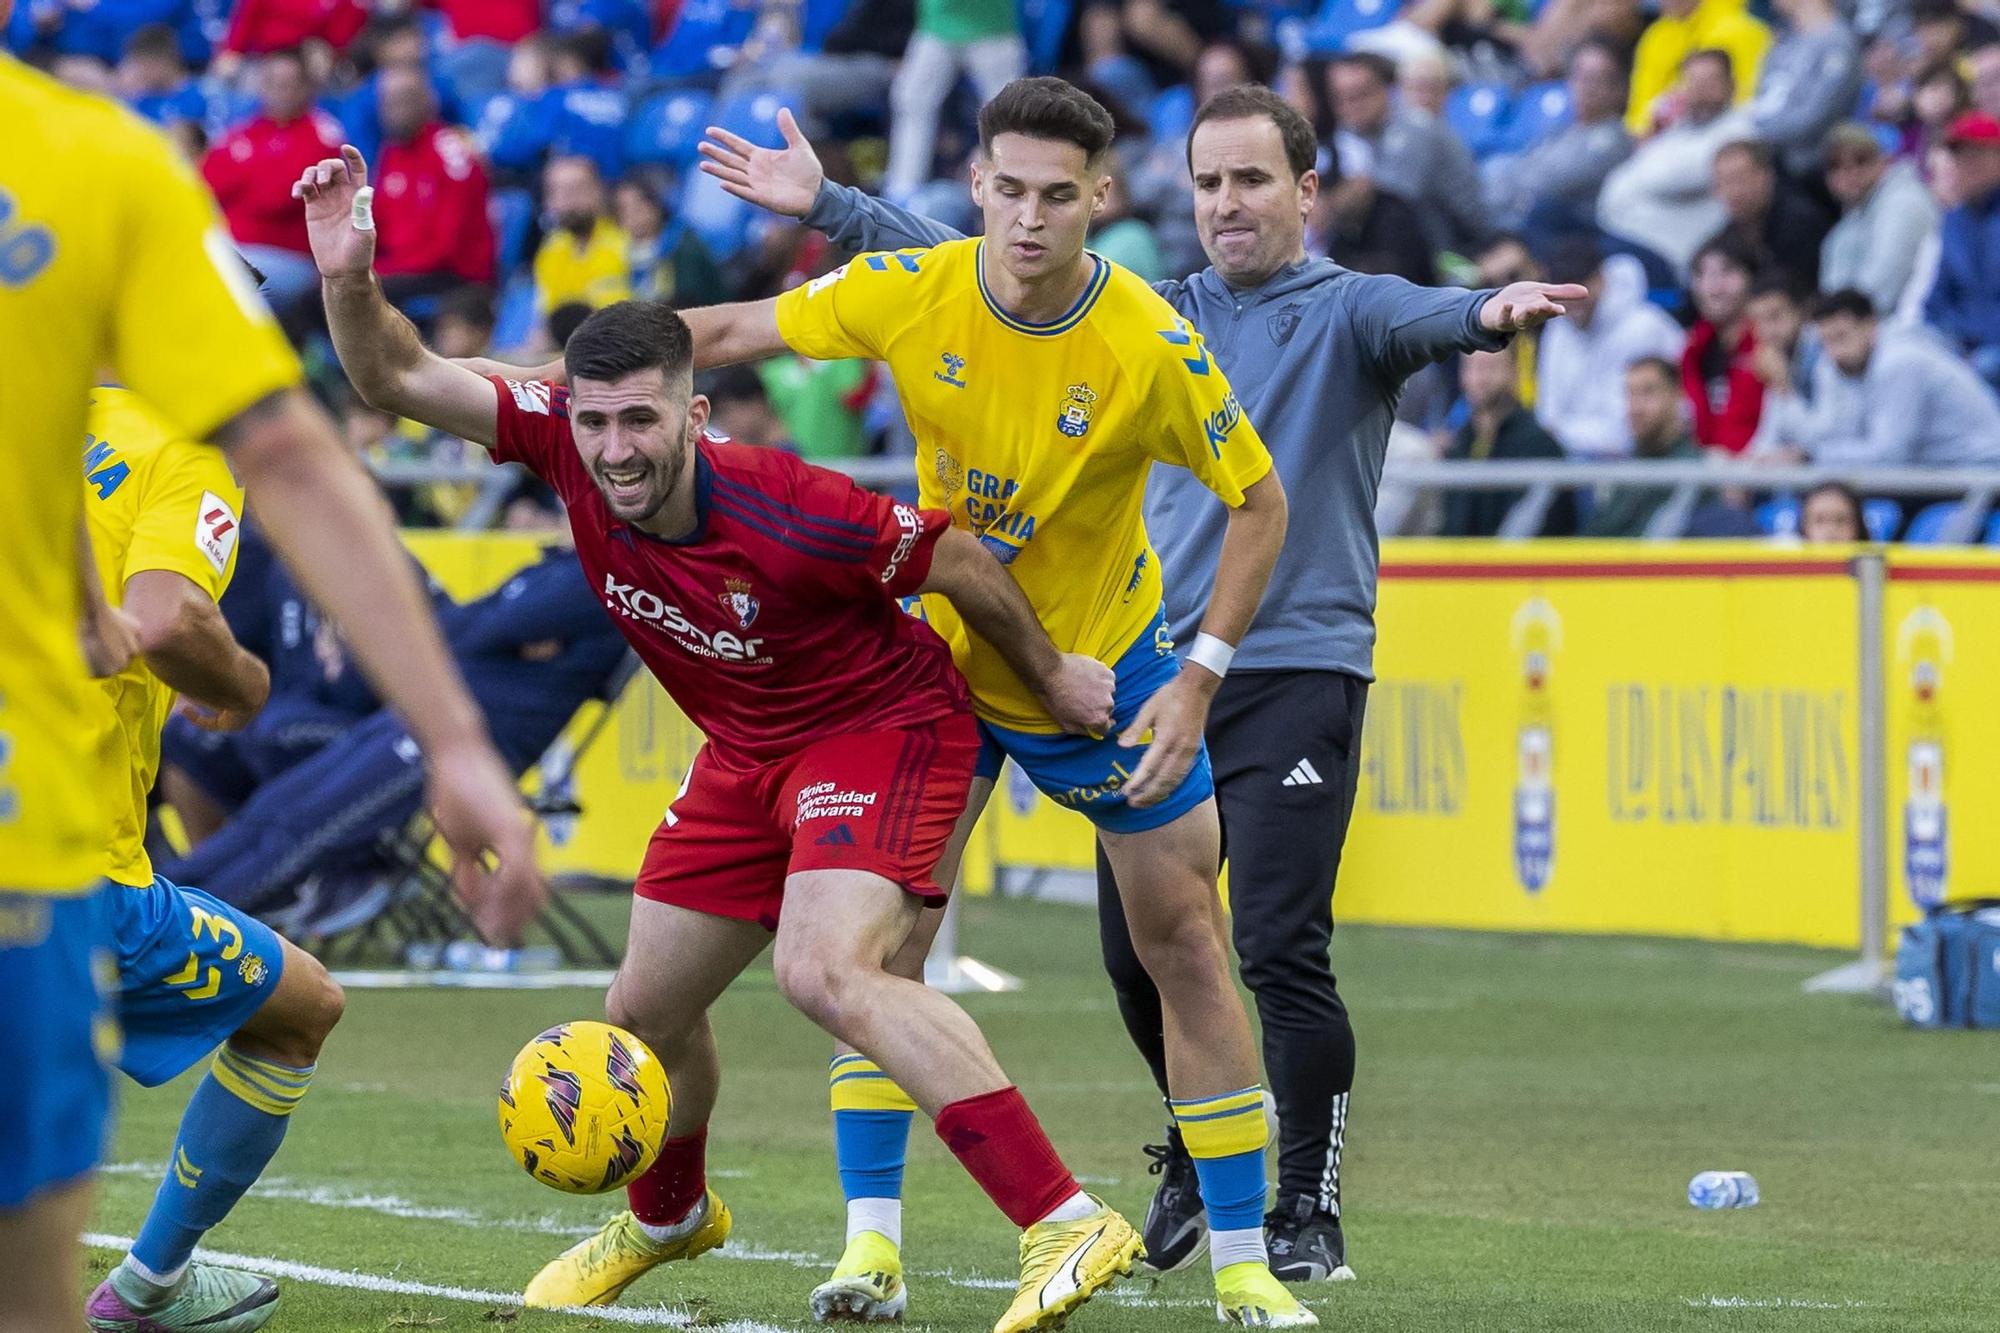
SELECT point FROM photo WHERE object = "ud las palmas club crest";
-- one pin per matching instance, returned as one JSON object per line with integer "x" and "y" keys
{"x": 736, "y": 600}
{"x": 1074, "y": 418}
{"x": 1923, "y": 649}
{"x": 1537, "y": 633}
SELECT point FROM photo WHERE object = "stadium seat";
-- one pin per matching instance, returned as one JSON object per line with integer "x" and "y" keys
{"x": 474, "y": 72}
{"x": 1538, "y": 112}
{"x": 1044, "y": 23}
{"x": 514, "y": 131}
{"x": 1172, "y": 114}
{"x": 512, "y": 213}
{"x": 1881, "y": 516}
{"x": 1927, "y": 528}
{"x": 665, "y": 128}
{"x": 514, "y": 313}
{"x": 1477, "y": 113}
{"x": 1779, "y": 517}
{"x": 1338, "y": 20}
{"x": 820, "y": 18}
{"x": 703, "y": 41}
{"x": 590, "y": 121}
{"x": 1993, "y": 530}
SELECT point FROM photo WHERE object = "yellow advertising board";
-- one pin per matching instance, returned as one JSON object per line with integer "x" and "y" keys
{"x": 1941, "y": 663}
{"x": 1569, "y": 736}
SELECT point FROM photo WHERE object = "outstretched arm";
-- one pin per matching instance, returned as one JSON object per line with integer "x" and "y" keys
{"x": 1076, "y": 688}
{"x": 1178, "y": 715}
{"x": 188, "y": 645}
{"x": 790, "y": 181}
{"x": 378, "y": 348}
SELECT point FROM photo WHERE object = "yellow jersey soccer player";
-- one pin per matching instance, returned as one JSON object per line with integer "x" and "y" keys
{"x": 164, "y": 516}
{"x": 112, "y": 257}
{"x": 1042, "y": 382}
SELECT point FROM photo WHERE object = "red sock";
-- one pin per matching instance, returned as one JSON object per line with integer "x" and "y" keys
{"x": 674, "y": 1184}
{"x": 999, "y": 1141}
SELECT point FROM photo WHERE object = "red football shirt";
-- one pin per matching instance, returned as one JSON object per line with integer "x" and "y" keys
{"x": 777, "y": 623}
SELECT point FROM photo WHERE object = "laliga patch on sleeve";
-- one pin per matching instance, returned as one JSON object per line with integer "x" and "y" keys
{"x": 530, "y": 396}
{"x": 215, "y": 528}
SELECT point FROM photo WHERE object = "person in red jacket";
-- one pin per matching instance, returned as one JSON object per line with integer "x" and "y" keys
{"x": 260, "y": 27}
{"x": 252, "y": 167}
{"x": 432, "y": 231}
{"x": 496, "y": 20}
{"x": 1718, "y": 366}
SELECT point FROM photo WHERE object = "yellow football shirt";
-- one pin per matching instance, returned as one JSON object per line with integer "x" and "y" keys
{"x": 1038, "y": 438}
{"x": 153, "y": 501}
{"x": 111, "y": 259}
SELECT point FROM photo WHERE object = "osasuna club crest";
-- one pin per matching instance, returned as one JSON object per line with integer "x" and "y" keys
{"x": 736, "y": 599}
{"x": 1283, "y": 325}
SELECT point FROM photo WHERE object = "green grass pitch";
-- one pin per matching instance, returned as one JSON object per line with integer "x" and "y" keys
{"x": 1528, "y": 1114}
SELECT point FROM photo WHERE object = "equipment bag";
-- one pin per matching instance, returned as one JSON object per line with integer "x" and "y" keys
{"x": 1948, "y": 967}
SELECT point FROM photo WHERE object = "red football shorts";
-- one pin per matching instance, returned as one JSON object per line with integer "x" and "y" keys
{"x": 884, "y": 802}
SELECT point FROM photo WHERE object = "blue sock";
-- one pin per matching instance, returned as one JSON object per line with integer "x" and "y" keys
{"x": 1226, "y": 1136}
{"x": 871, "y": 1128}
{"x": 230, "y": 1131}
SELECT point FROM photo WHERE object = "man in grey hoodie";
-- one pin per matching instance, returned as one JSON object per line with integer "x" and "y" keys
{"x": 1318, "y": 355}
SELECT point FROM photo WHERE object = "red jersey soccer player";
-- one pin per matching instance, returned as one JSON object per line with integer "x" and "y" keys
{"x": 840, "y": 746}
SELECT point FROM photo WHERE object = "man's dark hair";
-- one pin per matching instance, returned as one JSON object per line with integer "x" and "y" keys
{"x": 734, "y": 384}
{"x": 156, "y": 41}
{"x": 295, "y": 54}
{"x": 1935, "y": 11}
{"x": 1658, "y": 365}
{"x": 629, "y": 337}
{"x": 1757, "y": 152}
{"x": 1251, "y": 100}
{"x": 1719, "y": 56}
{"x": 1846, "y": 301}
{"x": 1383, "y": 68}
{"x": 1048, "y": 108}
{"x": 380, "y": 30}
{"x": 1776, "y": 282}
{"x": 1725, "y": 246}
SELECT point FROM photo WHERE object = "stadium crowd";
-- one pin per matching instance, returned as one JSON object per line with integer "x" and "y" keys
{"x": 1788, "y": 218}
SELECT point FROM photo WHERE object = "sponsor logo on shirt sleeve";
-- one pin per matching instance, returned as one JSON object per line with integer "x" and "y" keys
{"x": 215, "y": 529}
{"x": 530, "y": 396}
{"x": 912, "y": 525}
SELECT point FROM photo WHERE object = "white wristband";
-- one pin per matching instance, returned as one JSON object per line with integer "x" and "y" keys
{"x": 364, "y": 208}
{"x": 1212, "y": 653}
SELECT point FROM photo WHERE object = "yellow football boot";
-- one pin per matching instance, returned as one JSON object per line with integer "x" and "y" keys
{"x": 866, "y": 1287}
{"x": 1247, "y": 1295}
{"x": 1064, "y": 1264}
{"x": 596, "y": 1270}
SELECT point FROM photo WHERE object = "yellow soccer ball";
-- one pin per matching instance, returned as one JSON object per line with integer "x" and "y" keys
{"x": 584, "y": 1108}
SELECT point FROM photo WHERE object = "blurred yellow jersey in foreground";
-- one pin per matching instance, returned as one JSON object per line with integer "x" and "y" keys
{"x": 112, "y": 260}
{"x": 154, "y": 501}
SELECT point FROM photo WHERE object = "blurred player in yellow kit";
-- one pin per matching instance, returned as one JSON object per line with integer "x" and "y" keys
{"x": 112, "y": 261}
{"x": 164, "y": 517}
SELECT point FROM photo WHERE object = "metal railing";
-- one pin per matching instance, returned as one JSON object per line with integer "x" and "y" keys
{"x": 1541, "y": 481}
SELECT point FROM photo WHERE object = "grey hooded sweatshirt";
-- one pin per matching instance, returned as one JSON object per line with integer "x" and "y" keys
{"x": 1317, "y": 356}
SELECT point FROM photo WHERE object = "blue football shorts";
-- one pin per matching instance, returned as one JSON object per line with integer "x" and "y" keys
{"x": 59, "y": 1032}
{"x": 192, "y": 970}
{"x": 1089, "y": 774}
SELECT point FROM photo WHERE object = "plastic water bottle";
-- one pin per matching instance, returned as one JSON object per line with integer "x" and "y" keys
{"x": 471, "y": 956}
{"x": 1723, "y": 1189}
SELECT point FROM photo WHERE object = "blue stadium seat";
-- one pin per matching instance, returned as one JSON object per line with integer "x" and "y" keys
{"x": 1338, "y": 20}
{"x": 1927, "y": 528}
{"x": 1477, "y": 113}
{"x": 1044, "y": 23}
{"x": 665, "y": 128}
{"x": 722, "y": 221}
{"x": 1779, "y": 517}
{"x": 512, "y": 213}
{"x": 1539, "y": 111}
{"x": 473, "y": 72}
{"x": 704, "y": 39}
{"x": 1172, "y": 114}
{"x": 514, "y": 312}
{"x": 1993, "y": 530}
{"x": 1881, "y": 516}
{"x": 515, "y": 131}
{"x": 820, "y": 18}
{"x": 626, "y": 23}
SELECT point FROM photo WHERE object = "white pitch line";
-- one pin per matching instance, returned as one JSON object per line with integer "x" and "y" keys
{"x": 653, "y": 1317}
{"x": 1769, "y": 1303}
